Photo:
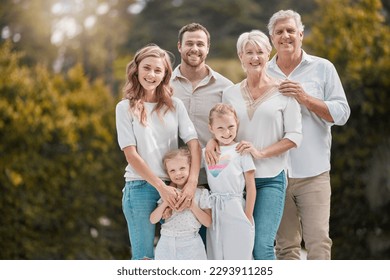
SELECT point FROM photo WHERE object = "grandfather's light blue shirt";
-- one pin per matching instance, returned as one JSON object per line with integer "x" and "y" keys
{"x": 319, "y": 79}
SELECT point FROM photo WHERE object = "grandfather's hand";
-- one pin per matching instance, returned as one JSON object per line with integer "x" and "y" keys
{"x": 293, "y": 89}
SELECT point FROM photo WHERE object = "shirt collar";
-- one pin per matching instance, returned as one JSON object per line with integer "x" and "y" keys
{"x": 177, "y": 74}
{"x": 305, "y": 58}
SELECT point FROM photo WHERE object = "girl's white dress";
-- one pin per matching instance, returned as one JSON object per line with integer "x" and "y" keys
{"x": 231, "y": 236}
{"x": 180, "y": 239}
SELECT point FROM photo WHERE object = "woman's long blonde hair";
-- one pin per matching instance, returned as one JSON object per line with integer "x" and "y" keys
{"x": 135, "y": 92}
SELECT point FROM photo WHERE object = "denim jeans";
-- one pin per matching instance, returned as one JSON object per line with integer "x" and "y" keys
{"x": 138, "y": 201}
{"x": 267, "y": 214}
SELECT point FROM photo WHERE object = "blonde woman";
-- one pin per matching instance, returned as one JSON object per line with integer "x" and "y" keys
{"x": 149, "y": 123}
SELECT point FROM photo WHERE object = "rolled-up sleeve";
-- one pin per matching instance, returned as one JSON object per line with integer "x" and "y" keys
{"x": 293, "y": 121}
{"x": 335, "y": 98}
{"x": 187, "y": 130}
{"x": 124, "y": 126}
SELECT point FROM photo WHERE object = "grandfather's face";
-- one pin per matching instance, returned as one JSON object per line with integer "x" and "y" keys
{"x": 286, "y": 37}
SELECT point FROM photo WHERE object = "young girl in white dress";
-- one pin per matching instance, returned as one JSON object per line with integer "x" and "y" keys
{"x": 231, "y": 236}
{"x": 180, "y": 239}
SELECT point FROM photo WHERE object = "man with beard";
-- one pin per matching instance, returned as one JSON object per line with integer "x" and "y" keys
{"x": 197, "y": 85}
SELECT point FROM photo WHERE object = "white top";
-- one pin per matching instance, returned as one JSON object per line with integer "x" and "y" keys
{"x": 185, "y": 222}
{"x": 265, "y": 121}
{"x": 227, "y": 176}
{"x": 227, "y": 181}
{"x": 157, "y": 138}
{"x": 319, "y": 79}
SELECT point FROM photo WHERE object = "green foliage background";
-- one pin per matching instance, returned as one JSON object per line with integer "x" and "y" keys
{"x": 61, "y": 171}
{"x": 59, "y": 177}
{"x": 359, "y": 47}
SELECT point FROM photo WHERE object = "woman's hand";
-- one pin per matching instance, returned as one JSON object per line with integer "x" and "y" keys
{"x": 186, "y": 196}
{"x": 212, "y": 152}
{"x": 245, "y": 147}
{"x": 169, "y": 195}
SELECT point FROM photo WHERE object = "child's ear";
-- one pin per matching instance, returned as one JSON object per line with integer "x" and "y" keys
{"x": 210, "y": 129}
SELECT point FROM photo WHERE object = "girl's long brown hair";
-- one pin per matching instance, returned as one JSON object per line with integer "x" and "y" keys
{"x": 134, "y": 91}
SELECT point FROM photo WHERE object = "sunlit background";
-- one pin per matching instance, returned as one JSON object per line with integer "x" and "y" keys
{"x": 62, "y": 68}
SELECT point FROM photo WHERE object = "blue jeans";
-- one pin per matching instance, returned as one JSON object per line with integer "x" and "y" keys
{"x": 267, "y": 214}
{"x": 138, "y": 201}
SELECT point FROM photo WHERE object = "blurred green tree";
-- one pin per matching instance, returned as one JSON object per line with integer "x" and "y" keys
{"x": 354, "y": 36}
{"x": 60, "y": 171}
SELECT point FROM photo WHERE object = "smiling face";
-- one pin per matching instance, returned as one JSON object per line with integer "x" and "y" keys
{"x": 286, "y": 36}
{"x": 178, "y": 169}
{"x": 224, "y": 128}
{"x": 151, "y": 72}
{"x": 194, "y": 48}
{"x": 253, "y": 58}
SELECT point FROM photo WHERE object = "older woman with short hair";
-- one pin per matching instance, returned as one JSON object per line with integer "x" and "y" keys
{"x": 270, "y": 125}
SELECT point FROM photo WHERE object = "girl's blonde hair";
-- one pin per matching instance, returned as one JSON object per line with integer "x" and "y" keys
{"x": 133, "y": 90}
{"x": 221, "y": 109}
{"x": 184, "y": 152}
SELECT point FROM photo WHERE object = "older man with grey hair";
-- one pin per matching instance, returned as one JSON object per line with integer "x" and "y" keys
{"x": 315, "y": 84}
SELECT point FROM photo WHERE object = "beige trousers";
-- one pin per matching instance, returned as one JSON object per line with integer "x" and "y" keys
{"x": 306, "y": 216}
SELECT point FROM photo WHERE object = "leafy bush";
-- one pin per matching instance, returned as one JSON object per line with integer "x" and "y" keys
{"x": 61, "y": 169}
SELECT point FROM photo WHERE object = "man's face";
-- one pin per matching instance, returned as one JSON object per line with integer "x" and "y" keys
{"x": 286, "y": 36}
{"x": 194, "y": 48}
